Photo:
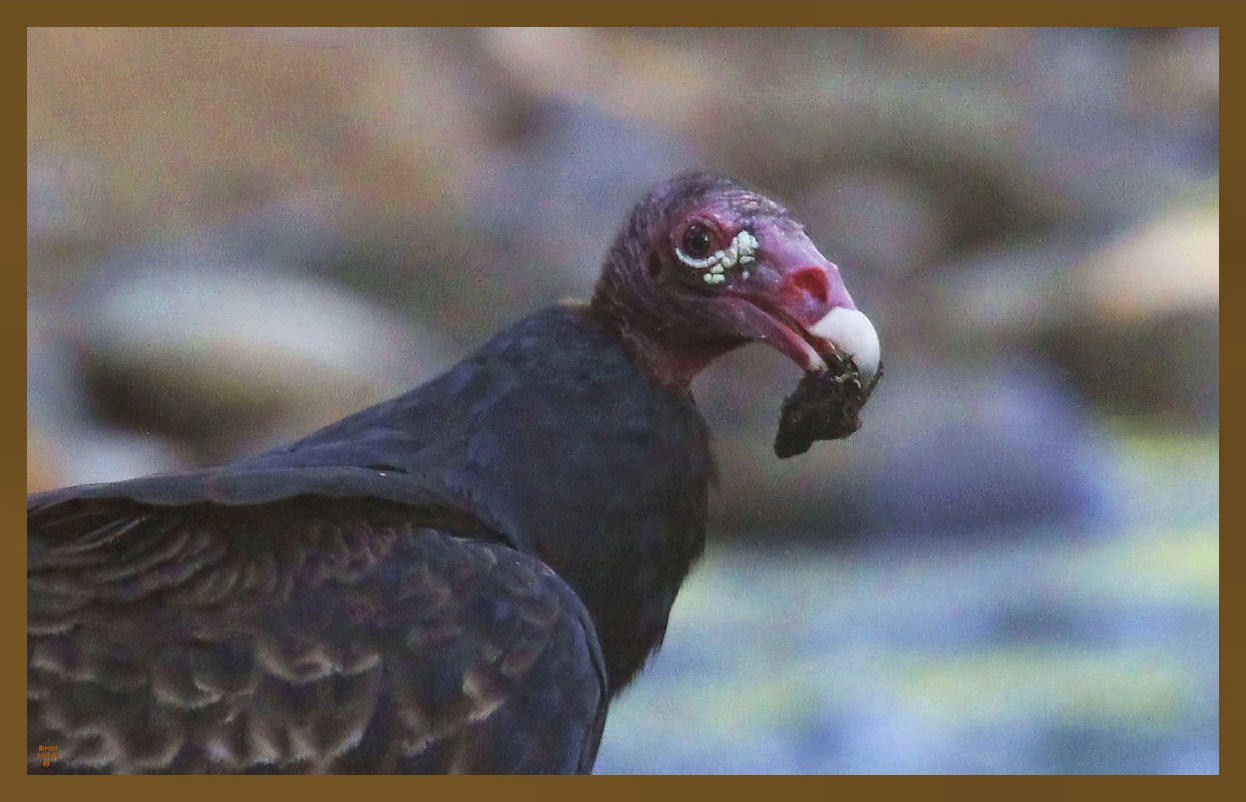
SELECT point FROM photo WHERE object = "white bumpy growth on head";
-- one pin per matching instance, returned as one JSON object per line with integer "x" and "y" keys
{"x": 739, "y": 252}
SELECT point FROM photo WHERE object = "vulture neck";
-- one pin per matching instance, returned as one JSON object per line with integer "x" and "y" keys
{"x": 651, "y": 330}
{"x": 672, "y": 366}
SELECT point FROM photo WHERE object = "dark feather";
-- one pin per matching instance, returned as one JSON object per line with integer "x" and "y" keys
{"x": 303, "y": 635}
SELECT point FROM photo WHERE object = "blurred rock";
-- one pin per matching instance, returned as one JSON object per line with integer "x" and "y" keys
{"x": 1090, "y": 147}
{"x": 1146, "y": 339}
{"x": 1006, "y": 294}
{"x": 1134, "y": 319}
{"x": 1168, "y": 266}
{"x": 187, "y": 124}
{"x": 230, "y": 357}
{"x": 552, "y": 199}
{"x": 873, "y": 224}
{"x": 1178, "y": 86}
{"x": 83, "y": 456}
{"x": 61, "y": 242}
{"x": 1162, "y": 370}
{"x": 943, "y": 449}
{"x": 659, "y": 80}
{"x": 65, "y": 445}
{"x": 1051, "y": 135}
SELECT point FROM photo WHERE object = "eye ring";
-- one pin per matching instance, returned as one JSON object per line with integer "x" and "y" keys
{"x": 698, "y": 240}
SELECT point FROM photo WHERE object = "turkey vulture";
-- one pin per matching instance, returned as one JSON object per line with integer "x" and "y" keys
{"x": 458, "y": 579}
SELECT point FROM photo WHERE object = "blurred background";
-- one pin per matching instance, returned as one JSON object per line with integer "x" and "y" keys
{"x": 236, "y": 236}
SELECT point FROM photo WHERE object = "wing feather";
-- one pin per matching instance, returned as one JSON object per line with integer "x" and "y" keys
{"x": 304, "y": 634}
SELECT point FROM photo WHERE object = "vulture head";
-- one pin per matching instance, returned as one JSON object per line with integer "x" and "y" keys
{"x": 704, "y": 265}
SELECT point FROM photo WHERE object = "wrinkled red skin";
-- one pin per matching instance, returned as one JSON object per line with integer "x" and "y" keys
{"x": 774, "y": 299}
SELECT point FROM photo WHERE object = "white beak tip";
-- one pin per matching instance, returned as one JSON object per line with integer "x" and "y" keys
{"x": 852, "y": 334}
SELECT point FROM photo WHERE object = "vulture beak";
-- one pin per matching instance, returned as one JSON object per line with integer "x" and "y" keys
{"x": 798, "y": 304}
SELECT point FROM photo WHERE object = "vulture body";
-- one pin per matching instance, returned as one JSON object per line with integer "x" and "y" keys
{"x": 455, "y": 580}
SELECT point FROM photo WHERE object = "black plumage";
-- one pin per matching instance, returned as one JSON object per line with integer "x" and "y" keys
{"x": 458, "y": 579}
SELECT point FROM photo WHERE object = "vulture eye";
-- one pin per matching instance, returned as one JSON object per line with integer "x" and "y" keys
{"x": 696, "y": 250}
{"x": 698, "y": 242}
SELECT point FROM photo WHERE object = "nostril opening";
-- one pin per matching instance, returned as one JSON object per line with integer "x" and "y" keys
{"x": 813, "y": 282}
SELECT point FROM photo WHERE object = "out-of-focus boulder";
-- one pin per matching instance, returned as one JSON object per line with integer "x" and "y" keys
{"x": 1168, "y": 266}
{"x": 1145, "y": 337}
{"x": 1133, "y": 318}
{"x": 943, "y": 448}
{"x": 878, "y": 226}
{"x": 548, "y": 204}
{"x": 1004, "y": 294}
{"x": 65, "y": 444}
{"x": 186, "y": 126}
{"x": 74, "y": 456}
{"x": 236, "y": 357}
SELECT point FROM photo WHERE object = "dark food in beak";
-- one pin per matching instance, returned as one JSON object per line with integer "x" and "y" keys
{"x": 825, "y": 406}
